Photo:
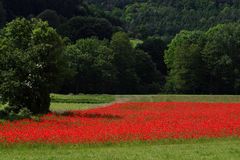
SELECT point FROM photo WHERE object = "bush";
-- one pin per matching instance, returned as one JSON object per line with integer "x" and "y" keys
{"x": 9, "y": 113}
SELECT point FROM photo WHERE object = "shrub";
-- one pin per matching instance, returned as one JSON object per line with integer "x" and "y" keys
{"x": 9, "y": 113}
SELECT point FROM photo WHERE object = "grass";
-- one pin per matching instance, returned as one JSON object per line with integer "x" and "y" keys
{"x": 78, "y": 102}
{"x": 216, "y": 149}
{"x": 180, "y": 98}
{"x": 92, "y": 99}
{"x": 72, "y": 106}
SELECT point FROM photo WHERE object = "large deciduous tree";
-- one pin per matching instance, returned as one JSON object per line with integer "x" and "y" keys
{"x": 221, "y": 55}
{"x": 184, "y": 62}
{"x": 31, "y": 62}
{"x": 124, "y": 60}
{"x": 92, "y": 62}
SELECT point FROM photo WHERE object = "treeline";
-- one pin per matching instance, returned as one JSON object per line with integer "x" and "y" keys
{"x": 166, "y": 18}
{"x": 100, "y": 57}
{"x": 71, "y": 18}
{"x": 140, "y": 18}
{"x": 101, "y": 66}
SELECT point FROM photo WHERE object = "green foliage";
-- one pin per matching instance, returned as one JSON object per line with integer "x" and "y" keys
{"x": 59, "y": 13}
{"x": 155, "y": 47}
{"x": 166, "y": 18}
{"x": 183, "y": 59}
{"x": 196, "y": 62}
{"x": 97, "y": 11}
{"x": 117, "y": 67}
{"x": 23, "y": 113}
{"x": 83, "y": 27}
{"x": 113, "y": 4}
{"x": 124, "y": 61}
{"x": 141, "y": 18}
{"x": 149, "y": 77}
{"x": 67, "y": 8}
{"x": 54, "y": 20}
{"x": 136, "y": 42}
{"x": 9, "y": 113}
{"x": 205, "y": 62}
{"x": 92, "y": 62}
{"x": 31, "y": 62}
{"x": 221, "y": 56}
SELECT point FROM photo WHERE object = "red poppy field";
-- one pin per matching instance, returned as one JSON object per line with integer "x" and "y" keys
{"x": 128, "y": 122}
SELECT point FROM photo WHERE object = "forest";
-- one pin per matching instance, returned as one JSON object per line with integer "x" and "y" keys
{"x": 128, "y": 46}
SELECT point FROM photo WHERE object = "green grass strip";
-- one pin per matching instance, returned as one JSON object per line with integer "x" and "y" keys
{"x": 91, "y": 99}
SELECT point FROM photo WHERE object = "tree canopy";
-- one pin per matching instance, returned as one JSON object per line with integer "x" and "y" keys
{"x": 31, "y": 62}
{"x": 92, "y": 62}
{"x": 83, "y": 27}
{"x": 205, "y": 62}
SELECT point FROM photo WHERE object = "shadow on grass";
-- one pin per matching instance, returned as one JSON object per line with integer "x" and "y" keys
{"x": 6, "y": 116}
{"x": 3, "y": 115}
{"x": 89, "y": 115}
